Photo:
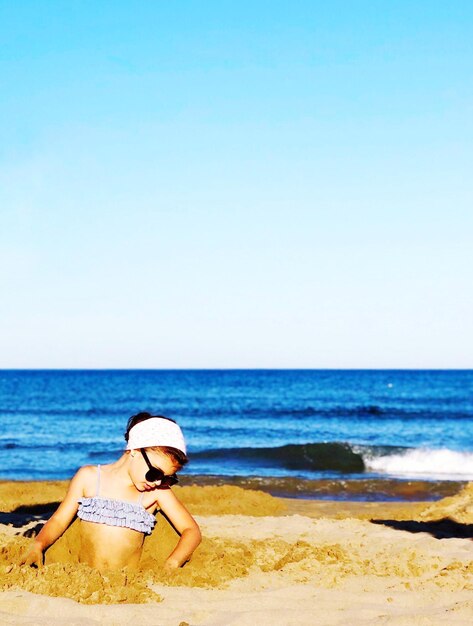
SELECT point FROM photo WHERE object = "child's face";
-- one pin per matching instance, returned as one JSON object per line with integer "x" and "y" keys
{"x": 138, "y": 468}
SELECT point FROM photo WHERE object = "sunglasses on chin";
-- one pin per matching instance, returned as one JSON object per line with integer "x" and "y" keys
{"x": 155, "y": 474}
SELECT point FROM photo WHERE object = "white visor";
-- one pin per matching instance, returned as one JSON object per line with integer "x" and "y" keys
{"x": 156, "y": 431}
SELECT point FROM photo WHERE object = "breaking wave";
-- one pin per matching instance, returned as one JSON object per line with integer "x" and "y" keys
{"x": 349, "y": 459}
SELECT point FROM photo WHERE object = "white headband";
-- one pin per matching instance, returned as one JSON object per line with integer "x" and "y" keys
{"x": 156, "y": 431}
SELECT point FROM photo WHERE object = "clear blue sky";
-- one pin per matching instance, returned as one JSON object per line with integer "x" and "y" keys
{"x": 236, "y": 184}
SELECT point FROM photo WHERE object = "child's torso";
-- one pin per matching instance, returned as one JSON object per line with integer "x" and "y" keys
{"x": 112, "y": 530}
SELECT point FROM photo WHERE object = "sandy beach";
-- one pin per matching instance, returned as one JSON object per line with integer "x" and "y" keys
{"x": 263, "y": 559}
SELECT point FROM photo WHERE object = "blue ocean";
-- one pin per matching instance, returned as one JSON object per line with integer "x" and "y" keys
{"x": 357, "y": 434}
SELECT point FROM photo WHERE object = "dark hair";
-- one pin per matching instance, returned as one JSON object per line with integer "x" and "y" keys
{"x": 176, "y": 455}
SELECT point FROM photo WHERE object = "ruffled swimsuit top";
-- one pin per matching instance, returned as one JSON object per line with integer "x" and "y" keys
{"x": 116, "y": 512}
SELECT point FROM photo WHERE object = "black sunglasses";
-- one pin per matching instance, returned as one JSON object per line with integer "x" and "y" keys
{"x": 155, "y": 473}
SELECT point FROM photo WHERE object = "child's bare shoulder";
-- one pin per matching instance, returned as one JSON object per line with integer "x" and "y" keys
{"x": 81, "y": 483}
{"x": 86, "y": 475}
{"x": 164, "y": 497}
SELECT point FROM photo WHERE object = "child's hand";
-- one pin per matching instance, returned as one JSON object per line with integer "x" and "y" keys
{"x": 170, "y": 566}
{"x": 34, "y": 557}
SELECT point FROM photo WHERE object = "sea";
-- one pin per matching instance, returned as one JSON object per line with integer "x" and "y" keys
{"x": 371, "y": 435}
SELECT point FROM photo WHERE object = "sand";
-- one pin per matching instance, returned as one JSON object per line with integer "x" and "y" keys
{"x": 262, "y": 560}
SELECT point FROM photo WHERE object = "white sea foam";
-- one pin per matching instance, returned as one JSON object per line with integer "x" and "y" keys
{"x": 425, "y": 462}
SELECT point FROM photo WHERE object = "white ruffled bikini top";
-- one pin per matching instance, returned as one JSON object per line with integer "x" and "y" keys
{"x": 116, "y": 512}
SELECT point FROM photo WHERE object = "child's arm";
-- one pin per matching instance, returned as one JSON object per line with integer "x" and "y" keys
{"x": 59, "y": 521}
{"x": 185, "y": 525}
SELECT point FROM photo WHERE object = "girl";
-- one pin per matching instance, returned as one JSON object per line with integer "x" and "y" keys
{"x": 116, "y": 503}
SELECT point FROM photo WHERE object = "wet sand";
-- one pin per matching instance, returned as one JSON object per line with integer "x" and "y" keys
{"x": 262, "y": 558}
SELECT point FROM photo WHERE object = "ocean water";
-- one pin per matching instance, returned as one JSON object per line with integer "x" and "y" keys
{"x": 297, "y": 432}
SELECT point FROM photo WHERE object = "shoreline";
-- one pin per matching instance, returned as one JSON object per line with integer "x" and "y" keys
{"x": 339, "y": 489}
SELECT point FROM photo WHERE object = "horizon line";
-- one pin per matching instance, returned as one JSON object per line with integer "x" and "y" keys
{"x": 235, "y": 369}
